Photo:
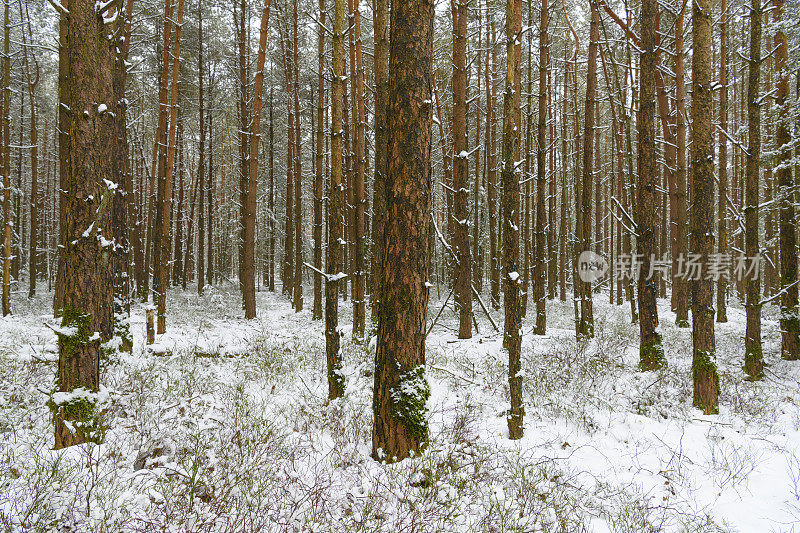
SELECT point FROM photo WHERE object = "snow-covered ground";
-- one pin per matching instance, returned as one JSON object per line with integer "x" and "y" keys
{"x": 224, "y": 426}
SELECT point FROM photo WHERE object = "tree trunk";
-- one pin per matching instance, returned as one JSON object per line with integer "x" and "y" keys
{"x": 680, "y": 286}
{"x": 790, "y": 315}
{"x": 753, "y": 357}
{"x": 201, "y": 163}
{"x": 359, "y": 192}
{"x": 492, "y": 186}
{"x": 381, "y": 68}
{"x": 298, "y": 176}
{"x": 401, "y": 391}
{"x": 335, "y": 212}
{"x": 87, "y": 303}
{"x": 540, "y": 273}
{"x": 651, "y": 353}
{"x": 704, "y": 367}
{"x": 722, "y": 209}
{"x": 6, "y": 165}
{"x": 319, "y": 175}
{"x": 586, "y": 323}
{"x": 33, "y": 241}
{"x": 512, "y": 335}
{"x": 249, "y": 269}
{"x": 463, "y": 264}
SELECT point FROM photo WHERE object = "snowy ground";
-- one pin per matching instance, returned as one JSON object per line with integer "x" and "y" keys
{"x": 226, "y": 428}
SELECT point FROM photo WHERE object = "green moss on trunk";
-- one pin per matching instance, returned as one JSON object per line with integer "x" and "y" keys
{"x": 409, "y": 402}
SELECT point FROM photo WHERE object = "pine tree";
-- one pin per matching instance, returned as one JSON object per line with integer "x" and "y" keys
{"x": 401, "y": 391}
{"x": 753, "y": 357}
{"x": 651, "y": 354}
{"x": 704, "y": 367}
{"x": 790, "y": 314}
{"x": 512, "y": 335}
{"x": 335, "y": 211}
{"x": 85, "y": 264}
{"x": 463, "y": 259}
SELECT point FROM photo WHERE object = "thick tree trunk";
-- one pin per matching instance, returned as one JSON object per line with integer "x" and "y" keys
{"x": 790, "y": 315}
{"x": 87, "y": 303}
{"x": 401, "y": 391}
{"x": 753, "y": 357}
{"x": 651, "y": 353}
{"x": 249, "y": 269}
{"x": 704, "y": 367}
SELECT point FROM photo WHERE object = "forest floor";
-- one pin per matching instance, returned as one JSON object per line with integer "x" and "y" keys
{"x": 223, "y": 425}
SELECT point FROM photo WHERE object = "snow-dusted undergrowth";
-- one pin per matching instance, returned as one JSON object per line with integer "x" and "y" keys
{"x": 224, "y": 426}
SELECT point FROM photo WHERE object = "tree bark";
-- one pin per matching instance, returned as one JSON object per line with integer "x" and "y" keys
{"x": 381, "y": 68}
{"x": 335, "y": 212}
{"x": 463, "y": 264}
{"x": 651, "y": 353}
{"x": 790, "y": 315}
{"x": 753, "y": 357}
{"x": 319, "y": 175}
{"x": 87, "y": 266}
{"x": 201, "y": 163}
{"x": 586, "y": 323}
{"x": 704, "y": 368}
{"x": 540, "y": 273}
{"x": 6, "y": 165}
{"x": 298, "y": 176}
{"x": 680, "y": 286}
{"x": 359, "y": 192}
{"x": 722, "y": 209}
{"x": 401, "y": 391}
{"x": 512, "y": 335}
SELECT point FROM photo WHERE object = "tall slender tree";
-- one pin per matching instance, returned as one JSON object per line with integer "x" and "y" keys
{"x": 585, "y": 327}
{"x": 358, "y": 185}
{"x": 381, "y": 72}
{"x": 722, "y": 209}
{"x": 252, "y": 178}
{"x": 319, "y": 167}
{"x": 512, "y": 335}
{"x": 540, "y": 274}
{"x": 463, "y": 263}
{"x": 335, "y": 211}
{"x": 5, "y": 161}
{"x": 201, "y": 156}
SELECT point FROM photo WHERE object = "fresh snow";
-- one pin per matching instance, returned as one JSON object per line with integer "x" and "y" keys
{"x": 224, "y": 425}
